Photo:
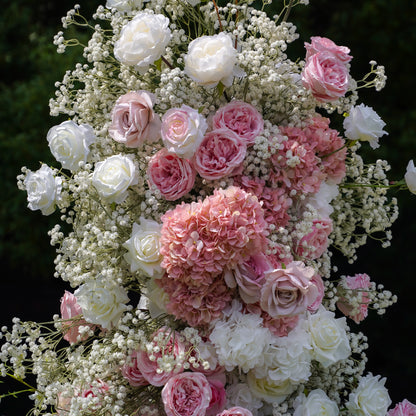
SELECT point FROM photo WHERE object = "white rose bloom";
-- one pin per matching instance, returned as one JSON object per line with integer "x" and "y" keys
{"x": 144, "y": 248}
{"x": 124, "y": 5}
{"x": 317, "y": 403}
{"x": 321, "y": 201}
{"x": 211, "y": 59}
{"x": 113, "y": 176}
{"x": 69, "y": 143}
{"x": 410, "y": 177}
{"x": 43, "y": 189}
{"x": 239, "y": 394}
{"x": 370, "y": 398}
{"x": 329, "y": 337}
{"x": 154, "y": 299}
{"x": 364, "y": 124}
{"x": 102, "y": 305}
{"x": 240, "y": 340}
{"x": 143, "y": 40}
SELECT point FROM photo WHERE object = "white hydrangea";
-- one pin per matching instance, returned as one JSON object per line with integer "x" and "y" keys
{"x": 239, "y": 394}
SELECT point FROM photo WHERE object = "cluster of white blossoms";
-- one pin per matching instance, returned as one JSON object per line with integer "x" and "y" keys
{"x": 206, "y": 188}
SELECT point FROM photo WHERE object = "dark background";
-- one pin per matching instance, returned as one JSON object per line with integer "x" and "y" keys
{"x": 382, "y": 30}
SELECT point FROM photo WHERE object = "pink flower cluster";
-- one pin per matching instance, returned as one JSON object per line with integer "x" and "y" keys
{"x": 404, "y": 408}
{"x": 198, "y": 241}
{"x": 326, "y": 71}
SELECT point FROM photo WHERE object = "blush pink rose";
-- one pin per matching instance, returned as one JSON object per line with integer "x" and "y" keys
{"x": 131, "y": 372}
{"x": 289, "y": 291}
{"x": 187, "y": 394}
{"x": 319, "y": 44}
{"x": 172, "y": 175}
{"x": 220, "y": 154}
{"x": 236, "y": 411}
{"x": 314, "y": 244}
{"x": 218, "y": 397}
{"x": 99, "y": 389}
{"x": 133, "y": 119}
{"x": 317, "y": 280}
{"x": 70, "y": 309}
{"x": 242, "y": 118}
{"x": 404, "y": 408}
{"x": 326, "y": 76}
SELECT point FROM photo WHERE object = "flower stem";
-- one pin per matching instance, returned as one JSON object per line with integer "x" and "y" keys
{"x": 218, "y": 14}
{"x": 289, "y": 8}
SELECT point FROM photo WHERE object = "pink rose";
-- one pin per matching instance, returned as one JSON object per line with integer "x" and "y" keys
{"x": 133, "y": 119}
{"x": 236, "y": 411}
{"x": 218, "y": 398}
{"x": 319, "y": 44}
{"x": 71, "y": 309}
{"x": 404, "y": 408}
{"x": 131, "y": 371}
{"x": 187, "y": 394}
{"x": 98, "y": 389}
{"x": 326, "y": 76}
{"x": 183, "y": 130}
{"x": 289, "y": 291}
{"x": 242, "y": 118}
{"x": 314, "y": 244}
{"x": 173, "y": 176}
{"x": 219, "y": 154}
{"x": 317, "y": 281}
{"x": 63, "y": 405}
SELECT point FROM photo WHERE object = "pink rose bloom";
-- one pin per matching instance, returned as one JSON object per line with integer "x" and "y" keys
{"x": 220, "y": 154}
{"x": 242, "y": 118}
{"x": 319, "y": 44}
{"x": 326, "y": 76}
{"x": 98, "y": 389}
{"x": 172, "y": 175}
{"x": 356, "y": 286}
{"x": 131, "y": 371}
{"x": 314, "y": 244}
{"x": 63, "y": 405}
{"x": 71, "y": 309}
{"x": 218, "y": 397}
{"x": 289, "y": 291}
{"x": 183, "y": 130}
{"x": 133, "y": 119}
{"x": 236, "y": 411}
{"x": 404, "y": 408}
{"x": 187, "y": 394}
{"x": 317, "y": 280}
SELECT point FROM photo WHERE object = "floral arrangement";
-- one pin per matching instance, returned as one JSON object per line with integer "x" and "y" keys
{"x": 202, "y": 187}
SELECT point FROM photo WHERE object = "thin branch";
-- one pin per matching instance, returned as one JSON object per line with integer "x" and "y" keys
{"x": 218, "y": 14}
{"x": 289, "y": 8}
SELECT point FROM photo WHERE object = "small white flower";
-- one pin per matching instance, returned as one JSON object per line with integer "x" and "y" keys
{"x": 113, "y": 176}
{"x": 43, "y": 189}
{"x": 143, "y": 40}
{"x": 69, "y": 143}
{"x": 410, "y": 177}
{"x": 101, "y": 304}
{"x": 370, "y": 398}
{"x": 317, "y": 403}
{"x": 144, "y": 248}
{"x": 364, "y": 124}
{"x": 124, "y": 5}
{"x": 211, "y": 59}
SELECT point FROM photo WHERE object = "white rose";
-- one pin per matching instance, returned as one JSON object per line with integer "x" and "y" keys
{"x": 329, "y": 337}
{"x": 43, "y": 189}
{"x": 316, "y": 404}
{"x": 113, "y": 176}
{"x": 69, "y": 143}
{"x": 143, "y": 40}
{"x": 364, "y": 124}
{"x": 124, "y": 5}
{"x": 321, "y": 201}
{"x": 211, "y": 59}
{"x": 410, "y": 177}
{"x": 144, "y": 248}
{"x": 370, "y": 398}
{"x": 100, "y": 304}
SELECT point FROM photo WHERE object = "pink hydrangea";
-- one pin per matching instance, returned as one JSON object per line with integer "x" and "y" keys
{"x": 172, "y": 175}
{"x": 240, "y": 117}
{"x": 319, "y": 44}
{"x": 404, "y": 408}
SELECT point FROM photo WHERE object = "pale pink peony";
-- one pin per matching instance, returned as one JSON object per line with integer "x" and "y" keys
{"x": 236, "y": 411}
{"x": 133, "y": 119}
{"x": 404, "y": 408}
{"x": 187, "y": 394}
{"x": 326, "y": 76}
{"x": 172, "y": 175}
{"x": 220, "y": 154}
{"x": 70, "y": 309}
{"x": 289, "y": 291}
{"x": 242, "y": 118}
{"x": 218, "y": 397}
{"x": 131, "y": 372}
{"x": 314, "y": 244}
{"x": 319, "y": 44}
